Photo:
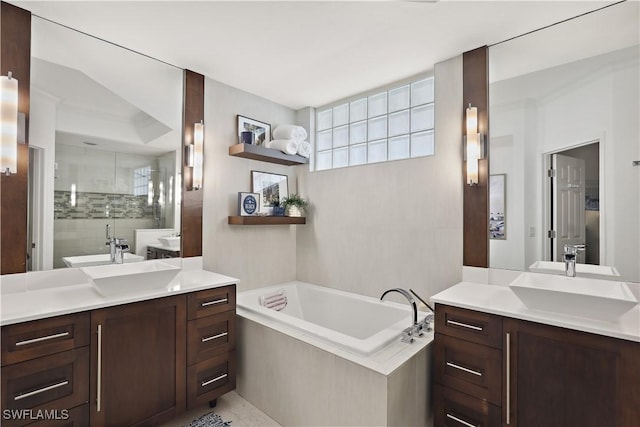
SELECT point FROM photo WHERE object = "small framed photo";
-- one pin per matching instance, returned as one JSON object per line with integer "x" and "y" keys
{"x": 272, "y": 187}
{"x": 252, "y": 131}
{"x": 248, "y": 204}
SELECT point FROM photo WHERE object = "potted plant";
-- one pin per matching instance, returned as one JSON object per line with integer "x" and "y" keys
{"x": 294, "y": 205}
{"x": 278, "y": 208}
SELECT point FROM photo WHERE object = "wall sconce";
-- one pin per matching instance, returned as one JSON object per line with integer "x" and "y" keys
{"x": 194, "y": 155}
{"x": 13, "y": 125}
{"x": 474, "y": 147}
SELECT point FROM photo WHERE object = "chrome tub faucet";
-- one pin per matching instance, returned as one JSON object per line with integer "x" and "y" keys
{"x": 415, "y": 328}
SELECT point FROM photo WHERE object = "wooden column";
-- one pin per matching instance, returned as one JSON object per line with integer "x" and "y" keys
{"x": 15, "y": 56}
{"x": 191, "y": 223}
{"x": 475, "y": 90}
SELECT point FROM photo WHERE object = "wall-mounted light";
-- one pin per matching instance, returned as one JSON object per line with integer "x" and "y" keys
{"x": 12, "y": 123}
{"x": 473, "y": 145}
{"x": 194, "y": 156}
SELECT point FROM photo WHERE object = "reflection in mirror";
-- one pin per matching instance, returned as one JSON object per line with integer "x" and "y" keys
{"x": 564, "y": 108}
{"x": 105, "y": 144}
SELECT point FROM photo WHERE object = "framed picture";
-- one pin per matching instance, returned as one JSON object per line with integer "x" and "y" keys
{"x": 248, "y": 204}
{"x": 271, "y": 187}
{"x": 497, "y": 207}
{"x": 261, "y": 131}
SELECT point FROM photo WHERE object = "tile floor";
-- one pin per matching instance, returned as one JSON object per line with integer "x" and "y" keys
{"x": 231, "y": 407}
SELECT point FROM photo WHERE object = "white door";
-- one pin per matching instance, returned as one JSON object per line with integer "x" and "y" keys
{"x": 568, "y": 204}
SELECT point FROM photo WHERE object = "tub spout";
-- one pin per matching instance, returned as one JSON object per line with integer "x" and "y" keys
{"x": 415, "y": 328}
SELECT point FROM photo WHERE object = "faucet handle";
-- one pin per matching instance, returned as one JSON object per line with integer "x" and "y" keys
{"x": 574, "y": 249}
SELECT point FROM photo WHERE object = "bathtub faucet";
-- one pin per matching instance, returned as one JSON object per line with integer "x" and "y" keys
{"x": 415, "y": 328}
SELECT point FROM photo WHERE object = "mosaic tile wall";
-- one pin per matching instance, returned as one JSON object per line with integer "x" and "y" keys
{"x": 101, "y": 206}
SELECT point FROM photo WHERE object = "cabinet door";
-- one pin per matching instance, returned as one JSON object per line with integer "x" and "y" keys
{"x": 139, "y": 354}
{"x": 558, "y": 377}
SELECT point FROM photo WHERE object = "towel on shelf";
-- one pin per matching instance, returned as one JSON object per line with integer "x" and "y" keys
{"x": 275, "y": 301}
{"x": 287, "y": 146}
{"x": 304, "y": 149}
{"x": 297, "y": 133}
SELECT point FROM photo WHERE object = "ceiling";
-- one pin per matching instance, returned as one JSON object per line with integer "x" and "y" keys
{"x": 306, "y": 53}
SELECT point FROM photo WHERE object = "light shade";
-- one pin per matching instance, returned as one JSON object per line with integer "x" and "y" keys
{"x": 198, "y": 151}
{"x": 473, "y": 145}
{"x": 9, "y": 124}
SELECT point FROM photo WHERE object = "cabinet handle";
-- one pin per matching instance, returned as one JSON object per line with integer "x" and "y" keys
{"x": 41, "y": 390}
{"x": 463, "y": 422}
{"x": 224, "y": 334}
{"x": 206, "y": 383}
{"x": 218, "y": 301}
{"x": 48, "y": 337}
{"x": 99, "y": 373}
{"x": 508, "y": 385}
{"x": 464, "y": 325}
{"x": 462, "y": 368}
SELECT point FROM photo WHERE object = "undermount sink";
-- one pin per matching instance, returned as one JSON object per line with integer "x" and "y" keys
{"x": 576, "y": 296}
{"x": 170, "y": 241}
{"x": 98, "y": 259}
{"x": 118, "y": 279}
{"x": 582, "y": 270}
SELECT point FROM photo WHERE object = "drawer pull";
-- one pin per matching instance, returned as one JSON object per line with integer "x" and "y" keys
{"x": 218, "y": 301}
{"x": 508, "y": 385}
{"x": 99, "y": 371}
{"x": 41, "y": 390}
{"x": 206, "y": 383}
{"x": 454, "y": 418}
{"x": 224, "y": 334}
{"x": 462, "y": 368}
{"x": 464, "y": 325}
{"x": 48, "y": 337}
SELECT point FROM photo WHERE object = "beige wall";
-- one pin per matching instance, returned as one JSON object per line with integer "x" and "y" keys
{"x": 257, "y": 255}
{"x": 394, "y": 224}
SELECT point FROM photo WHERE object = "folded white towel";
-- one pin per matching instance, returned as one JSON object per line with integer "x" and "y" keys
{"x": 297, "y": 133}
{"x": 275, "y": 301}
{"x": 287, "y": 146}
{"x": 304, "y": 149}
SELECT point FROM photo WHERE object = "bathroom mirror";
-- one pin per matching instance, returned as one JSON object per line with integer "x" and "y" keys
{"x": 566, "y": 99}
{"x": 105, "y": 138}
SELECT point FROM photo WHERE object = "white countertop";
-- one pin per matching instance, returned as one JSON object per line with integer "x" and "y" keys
{"x": 38, "y": 295}
{"x": 500, "y": 300}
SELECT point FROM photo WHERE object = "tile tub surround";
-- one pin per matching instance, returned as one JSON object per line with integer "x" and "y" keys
{"x": 38, "y": 295}
{"x": 299, "y": 379}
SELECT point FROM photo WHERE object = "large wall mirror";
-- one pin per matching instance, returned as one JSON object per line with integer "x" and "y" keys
{"x": 566, "y": 98}
{"x": 105, "y": 147}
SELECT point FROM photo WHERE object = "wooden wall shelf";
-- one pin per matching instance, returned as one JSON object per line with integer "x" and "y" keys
{"x": 256, "y": 152}
{"x": 266, "y": 220}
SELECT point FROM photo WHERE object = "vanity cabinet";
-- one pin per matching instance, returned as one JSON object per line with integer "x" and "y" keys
{"x": 498, "y": 371}
{"x": 154, "y": 252}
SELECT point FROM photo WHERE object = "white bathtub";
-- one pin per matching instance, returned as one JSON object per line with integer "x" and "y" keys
{"x": 353, "y": 322}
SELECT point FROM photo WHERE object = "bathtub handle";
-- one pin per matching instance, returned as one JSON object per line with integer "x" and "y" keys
{"x": 214, "y": 302}
{"x": 463, "y": 422}
{"x": 213, "y": 337}
{"x": 464, "y": 325}
{"x": 462, "y": 368}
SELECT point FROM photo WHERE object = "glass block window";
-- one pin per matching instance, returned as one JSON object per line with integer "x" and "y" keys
{"x": 141, "y": 177}
{"x": 388, "y": 125}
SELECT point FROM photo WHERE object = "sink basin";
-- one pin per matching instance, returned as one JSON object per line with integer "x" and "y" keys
{"x": 576, "y": 296}
{"x": 582, "y": 270}
{"x": 118, "y": 279}
{"x": 170, "y": 241}
{"x": 99, "y": 259}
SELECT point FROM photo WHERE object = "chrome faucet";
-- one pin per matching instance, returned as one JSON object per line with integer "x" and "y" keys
{"x": 415, "y": 328}
{"x": 570, "y": 254}
{"x": 117, "y": 247}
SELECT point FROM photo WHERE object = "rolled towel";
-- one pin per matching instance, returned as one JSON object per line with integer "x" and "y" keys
{"x": 287, "y": 146}
{"x": 304, "y": 149}
{"x": 297, "y": 133}
{"x": 275, "y": 301}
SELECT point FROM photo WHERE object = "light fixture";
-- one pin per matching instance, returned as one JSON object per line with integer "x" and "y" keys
{"x": 473, "y": 145}
{"x": 12, "y": 124}
{"x": 194, "y": 156}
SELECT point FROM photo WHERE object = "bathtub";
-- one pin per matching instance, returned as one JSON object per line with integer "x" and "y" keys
{"x": 332, "y": 358}
{"x": 356, "y": 323}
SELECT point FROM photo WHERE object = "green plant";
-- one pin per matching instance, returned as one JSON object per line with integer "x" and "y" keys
{"x": 294, "y": 199}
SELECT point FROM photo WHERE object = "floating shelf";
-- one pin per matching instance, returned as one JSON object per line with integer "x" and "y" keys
{"x": 256, "y": 152}
{"x": 266, "y": 220}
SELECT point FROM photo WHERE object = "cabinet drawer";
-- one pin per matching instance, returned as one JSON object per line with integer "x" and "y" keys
{"x": 474, "y": 326}
{"x": 59, "y": 381}
{"x": 468, "y": 367}
{"x": 211, "y": 301}
{"x": 455, "y": 409}
{"x": 38, "y": 338}
{"x": 210, "y": 336}
{"x": 211, "y": 379}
